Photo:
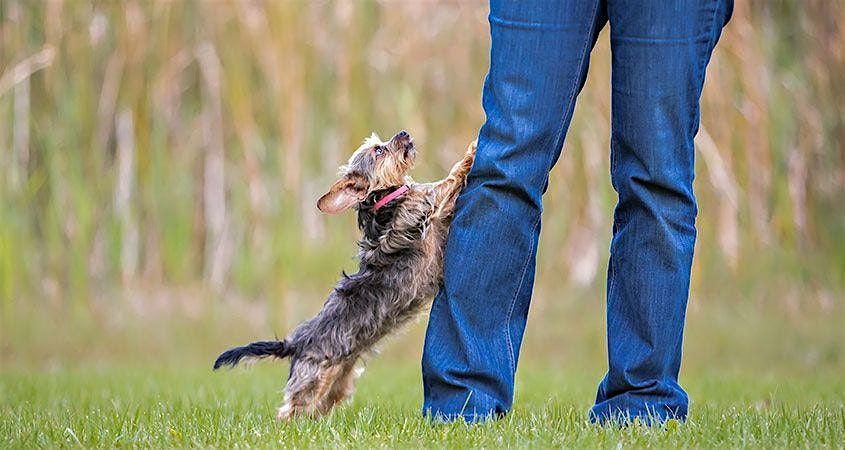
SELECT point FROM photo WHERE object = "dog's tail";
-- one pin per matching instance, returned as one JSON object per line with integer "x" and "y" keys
{"x": 258, "y": 350}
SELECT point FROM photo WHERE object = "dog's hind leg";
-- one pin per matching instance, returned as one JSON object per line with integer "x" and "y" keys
{"x": 299, "y": 388}
{"x": 343, "y": 387}
{"x": 309, "y": 383}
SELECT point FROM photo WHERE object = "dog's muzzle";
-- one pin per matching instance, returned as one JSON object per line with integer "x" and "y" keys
{"x": 404, "y": 142}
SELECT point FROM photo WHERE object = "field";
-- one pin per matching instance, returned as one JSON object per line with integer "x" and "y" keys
{"x": 122, "y": 406}
{"x": 146, "y": 381}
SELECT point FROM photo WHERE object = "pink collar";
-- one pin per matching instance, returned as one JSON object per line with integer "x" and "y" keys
{"x": 400, "y": 191}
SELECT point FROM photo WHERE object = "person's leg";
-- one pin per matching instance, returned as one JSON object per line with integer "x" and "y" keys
{"x": 538, "y": 63}
{"x": 660, "y": 51}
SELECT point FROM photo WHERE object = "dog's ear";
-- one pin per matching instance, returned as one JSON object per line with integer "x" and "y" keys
{"x": 345, "y": 192}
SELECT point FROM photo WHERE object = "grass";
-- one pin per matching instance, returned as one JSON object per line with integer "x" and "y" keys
{"x": 122, "y": 405}
{"x": 757, "y": 376}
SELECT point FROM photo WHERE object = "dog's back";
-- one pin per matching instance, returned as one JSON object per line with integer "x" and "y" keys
{"x": 404, "y": 227}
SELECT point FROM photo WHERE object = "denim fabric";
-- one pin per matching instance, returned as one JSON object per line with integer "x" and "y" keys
{"x": 538, "y": 63}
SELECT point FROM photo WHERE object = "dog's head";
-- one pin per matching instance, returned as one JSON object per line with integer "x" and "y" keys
{"x": 375, "y": 165}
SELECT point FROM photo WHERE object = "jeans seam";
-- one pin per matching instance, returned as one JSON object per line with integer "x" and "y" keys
{"x": 614, "y": 163}
{"x": 584, "y": 49}
{"x": 511, "y": 353}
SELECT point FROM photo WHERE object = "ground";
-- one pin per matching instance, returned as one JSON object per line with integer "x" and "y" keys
{"x": 124, "y": 405}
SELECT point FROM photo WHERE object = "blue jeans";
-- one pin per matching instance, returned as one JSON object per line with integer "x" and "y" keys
{"x": 538, "y": 63}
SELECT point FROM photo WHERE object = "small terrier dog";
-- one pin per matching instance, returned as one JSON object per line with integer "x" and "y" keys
{"x": 404, "y": 226}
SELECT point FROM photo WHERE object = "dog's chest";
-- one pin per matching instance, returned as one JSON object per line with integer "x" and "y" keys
{"x": 406, "y": 241}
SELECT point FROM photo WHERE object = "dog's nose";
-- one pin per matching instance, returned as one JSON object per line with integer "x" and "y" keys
{"x": 402, "y": 134}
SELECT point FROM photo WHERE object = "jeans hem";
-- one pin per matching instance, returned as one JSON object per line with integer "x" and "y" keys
{"x": 477, "y": 408}
{"x": 649, "y": 416}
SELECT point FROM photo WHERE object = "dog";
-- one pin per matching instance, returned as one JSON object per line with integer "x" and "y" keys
{"x": 404, "y": 226}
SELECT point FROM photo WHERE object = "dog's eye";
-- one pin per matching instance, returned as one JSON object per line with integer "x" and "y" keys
{"x": 378, "y": 150}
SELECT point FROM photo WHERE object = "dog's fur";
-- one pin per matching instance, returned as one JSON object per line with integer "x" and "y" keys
{"x": 401, "y": 268}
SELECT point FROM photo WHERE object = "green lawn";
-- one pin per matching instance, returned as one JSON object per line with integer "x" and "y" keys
{"x": 118, "y": 405}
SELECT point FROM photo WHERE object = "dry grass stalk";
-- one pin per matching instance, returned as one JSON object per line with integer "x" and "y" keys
{"x": 219, "y": 246}
{"x": 108, "y": 101}
{"x": 124, "y": 195}
{"x": 720, "y": 177}
{"x": 18, "y": 80}
{"x": 21, "y": 71}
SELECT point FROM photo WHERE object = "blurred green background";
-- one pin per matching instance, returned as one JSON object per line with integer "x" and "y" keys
{"x": 160, "y": 163}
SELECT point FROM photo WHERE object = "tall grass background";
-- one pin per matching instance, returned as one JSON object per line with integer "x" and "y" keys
{"x": 160, "y": 162}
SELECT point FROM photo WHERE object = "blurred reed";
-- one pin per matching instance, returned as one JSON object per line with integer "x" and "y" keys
{"x": 147, "y": 144}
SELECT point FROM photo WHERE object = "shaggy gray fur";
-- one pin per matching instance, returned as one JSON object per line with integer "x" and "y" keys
{"x": 400, "y": 270}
